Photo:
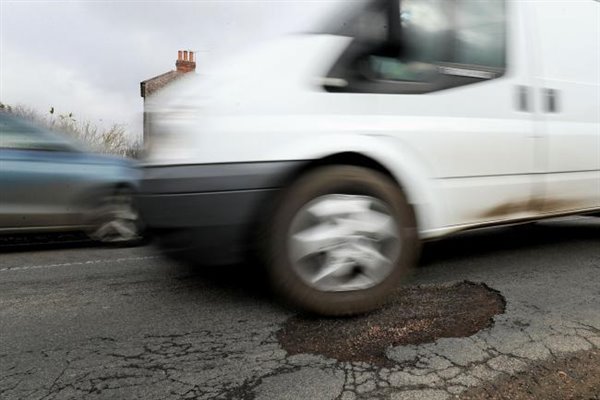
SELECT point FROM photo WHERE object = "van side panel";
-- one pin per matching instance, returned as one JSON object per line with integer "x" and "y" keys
{"x": 567, "y": 77}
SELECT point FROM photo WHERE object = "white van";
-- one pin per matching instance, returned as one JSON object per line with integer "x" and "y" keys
{"x": 336, "y": 153}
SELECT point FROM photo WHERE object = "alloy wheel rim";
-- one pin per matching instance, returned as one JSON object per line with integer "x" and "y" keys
{"x": 119, "y": 220}
{"x": 343, "y": 242}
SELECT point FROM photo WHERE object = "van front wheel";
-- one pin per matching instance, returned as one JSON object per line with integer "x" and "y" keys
{"x": 341, "y": 239}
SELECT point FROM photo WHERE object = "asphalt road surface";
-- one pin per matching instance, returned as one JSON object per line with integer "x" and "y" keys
{"x": 99, "y": 323}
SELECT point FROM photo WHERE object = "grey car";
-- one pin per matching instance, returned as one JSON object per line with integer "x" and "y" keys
{"x": 50, "y": 183}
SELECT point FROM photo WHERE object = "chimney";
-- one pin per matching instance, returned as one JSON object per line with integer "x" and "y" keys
{"x": 185, "y": 61}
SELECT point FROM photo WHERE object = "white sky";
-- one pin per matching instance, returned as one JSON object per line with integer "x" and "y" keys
{"x": 88, "y": 57}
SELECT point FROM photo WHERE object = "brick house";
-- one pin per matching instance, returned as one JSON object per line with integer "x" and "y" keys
{"x": 185, "y": 64}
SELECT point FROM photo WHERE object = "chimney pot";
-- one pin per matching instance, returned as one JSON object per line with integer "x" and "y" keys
{"x": 185, "y": 61}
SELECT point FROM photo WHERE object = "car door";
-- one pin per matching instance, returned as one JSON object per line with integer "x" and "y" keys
{"x": 567, "y": 80}
{"x": 38, "y": 177}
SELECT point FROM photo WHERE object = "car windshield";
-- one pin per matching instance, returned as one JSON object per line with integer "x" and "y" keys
{"x": 16, "y": 133}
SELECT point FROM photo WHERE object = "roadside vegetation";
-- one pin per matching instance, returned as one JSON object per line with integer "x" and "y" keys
{"x": 110, "y": 140}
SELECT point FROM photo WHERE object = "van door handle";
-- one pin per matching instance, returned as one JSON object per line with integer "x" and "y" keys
{"x": 523, "y": 98}
{"x": 551, "y": 100}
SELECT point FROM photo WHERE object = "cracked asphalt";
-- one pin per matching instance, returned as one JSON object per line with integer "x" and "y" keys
{"x": 98, "y": 323}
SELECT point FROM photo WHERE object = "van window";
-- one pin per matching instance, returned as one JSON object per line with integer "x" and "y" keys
{"x": 425, "y": 25}
{"x": 466, "y": 32}
{"x": 480, "y": 33}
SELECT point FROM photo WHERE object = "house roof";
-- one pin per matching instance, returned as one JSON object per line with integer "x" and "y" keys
{"x": 152, "y": 85}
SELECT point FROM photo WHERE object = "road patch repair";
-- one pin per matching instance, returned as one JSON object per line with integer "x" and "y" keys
{"x": 416, "y": 315}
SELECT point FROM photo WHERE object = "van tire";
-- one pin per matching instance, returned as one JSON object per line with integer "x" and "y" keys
{"x": 344, "y": 181}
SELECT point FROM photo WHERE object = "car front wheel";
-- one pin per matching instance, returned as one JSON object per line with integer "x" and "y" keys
{"x": 116, "y": 220}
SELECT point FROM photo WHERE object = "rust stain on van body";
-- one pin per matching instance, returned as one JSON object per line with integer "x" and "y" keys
{"x": 537, "y": 205}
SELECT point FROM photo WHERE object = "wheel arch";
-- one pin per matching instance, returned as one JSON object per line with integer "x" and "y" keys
{"x": 123, "y": 185}
{"x": 353, "y": 158}
{"x": 412, "y": 184}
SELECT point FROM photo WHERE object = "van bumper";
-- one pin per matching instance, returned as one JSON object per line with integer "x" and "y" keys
{"x": 210, "y": 210}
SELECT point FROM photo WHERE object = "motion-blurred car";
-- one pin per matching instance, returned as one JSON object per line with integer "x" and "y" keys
{"x": 336, "y": 153}
{"x": 50, "y": 183}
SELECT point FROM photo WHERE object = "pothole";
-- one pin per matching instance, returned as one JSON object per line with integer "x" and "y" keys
{"x": 415, "y": 315}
